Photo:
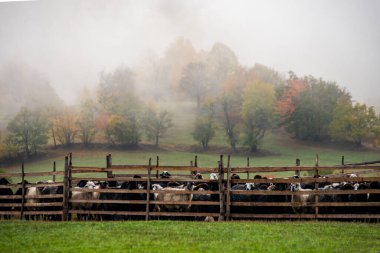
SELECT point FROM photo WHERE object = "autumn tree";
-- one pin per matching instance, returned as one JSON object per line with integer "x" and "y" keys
{"x": 122, "y": 130}
{"x": 195, "y": 81}
{"x": 64, "y": 125}
{"x": 264, "y": 74}
{"x": 354, "y": 123}
{"x": 257, "y": 111}
{"x": 156, "y": 124}
{"x": 178, "y": 55}
{"x": 285, "y": 104}
{"x": 27, "y": 131}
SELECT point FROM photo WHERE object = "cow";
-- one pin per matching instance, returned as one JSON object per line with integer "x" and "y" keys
{"x": 5, "y": 192}
{"x": 86, "y": 197}
{"x": 242, "y": 198}
{"x": 374, "y": 197}
{"x": 32, "y": 202}
{"x": 267, "y": 198}
{"x": 303, "y": 199}
{"x": 172, "y": 197}
{"x": 205, "y": 197}
{"x": 52, "y": 190}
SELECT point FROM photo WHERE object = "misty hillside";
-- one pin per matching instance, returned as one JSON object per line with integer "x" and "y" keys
{"x": 21, "y": 85}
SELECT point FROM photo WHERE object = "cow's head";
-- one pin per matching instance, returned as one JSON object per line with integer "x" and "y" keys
{"x": 165, "y": 174}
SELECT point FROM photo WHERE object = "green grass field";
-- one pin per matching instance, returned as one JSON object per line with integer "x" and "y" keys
{"x": 279, "y": 153}
{"x": 174, "y": 236}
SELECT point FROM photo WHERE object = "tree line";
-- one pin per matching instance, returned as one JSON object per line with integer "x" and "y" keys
{"x": 244, "y": 102}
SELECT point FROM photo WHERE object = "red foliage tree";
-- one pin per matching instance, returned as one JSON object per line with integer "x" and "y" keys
{"x": 285, "y": 104}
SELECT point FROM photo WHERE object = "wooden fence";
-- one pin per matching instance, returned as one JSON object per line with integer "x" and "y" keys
{"x": 23, "y": 205}
{"x": 223, "y": 202}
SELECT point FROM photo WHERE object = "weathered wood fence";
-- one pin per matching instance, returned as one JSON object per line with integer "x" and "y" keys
{"x": 226, "y": 202}
{"x": 19, "y": 204}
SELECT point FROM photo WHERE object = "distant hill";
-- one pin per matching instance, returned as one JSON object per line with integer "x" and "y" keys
{"x": 21, "y": 85}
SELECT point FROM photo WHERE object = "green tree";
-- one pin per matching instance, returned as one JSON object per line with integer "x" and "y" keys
{"x": 194, "y": 81}
{"x": 116, "y": 92}
{"x": 123, "y": 130}
{"x": 314, "y": 109}
{"x": 156, "y": 124}
{"x": 229, "y": 106}
{"x": 354, "y": 123}
{"x": 86, "y": 122}
{"x": 204, "y": 127}
{"x": 27, "y": 131}
{"x": 257, "y": 111}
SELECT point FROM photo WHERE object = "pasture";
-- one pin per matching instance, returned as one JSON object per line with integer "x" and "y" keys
{"x": 174, "y": 236}
{"x": 277, "y": 154}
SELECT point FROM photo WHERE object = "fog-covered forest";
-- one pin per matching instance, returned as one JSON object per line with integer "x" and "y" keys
{"x": 206, "y": 91}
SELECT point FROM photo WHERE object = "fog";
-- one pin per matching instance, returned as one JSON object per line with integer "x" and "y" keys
{"x": 70, "y": 42}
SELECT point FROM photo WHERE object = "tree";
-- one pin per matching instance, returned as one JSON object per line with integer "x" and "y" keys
{"x": 285, "y": 104}
{"x": 156, "y": 124}
{"x": 229, "y": 106}
{"x": 354, "y": 123}
{"x": 257, "y": 110}
{"x": 116, "y": 92}
{"x": 204, "y": 127}
{"x": 86, "y": 122}
{"x": 222, "y": 62}
{"x": 179, "y": 54}
{"x": 264, "y": 74}
{"x": 123, "y": 130}
{"x": 152, "y": 77}
{"x": 314, "y": 109}
{"x": 64, "y": 125}
{"x": 27, "y": 131}
{"x": 23, "y": 86}
{"x": 203, "y": 132}
{"x": 195, "y": 81}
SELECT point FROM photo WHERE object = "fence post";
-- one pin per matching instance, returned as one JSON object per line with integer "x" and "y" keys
{"x": 316, "y": 175}
{"x": 342, "y": 164}
{"x": 54, "y": 170}
{"x": 22, "y": 191}
{"x": 65, "y": 208}
{"x": 196, "y": 161}
{"x": 69, "y": 181}
{"x": 157, "y": 165}
{"x": 70, "y": 159}
{"x": 298, "y": 163}
{"x": 109, "y": 166}
{"x": 221, "y": 190}
{"x": 248, "y": 167}
{"x": 228, "y": 206}
{"x": 148, "y": 189}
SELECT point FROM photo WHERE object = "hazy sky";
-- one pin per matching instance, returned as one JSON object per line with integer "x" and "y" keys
{"x": 70, "y": 42}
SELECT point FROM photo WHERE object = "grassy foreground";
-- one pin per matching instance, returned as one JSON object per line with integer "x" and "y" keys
{"x": 174, "y": 236}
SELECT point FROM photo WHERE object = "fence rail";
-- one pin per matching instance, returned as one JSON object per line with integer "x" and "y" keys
{"x": 224, "y": 201}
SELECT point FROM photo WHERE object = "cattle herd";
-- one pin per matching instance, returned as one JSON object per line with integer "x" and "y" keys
{"x": 127, "y": 200}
